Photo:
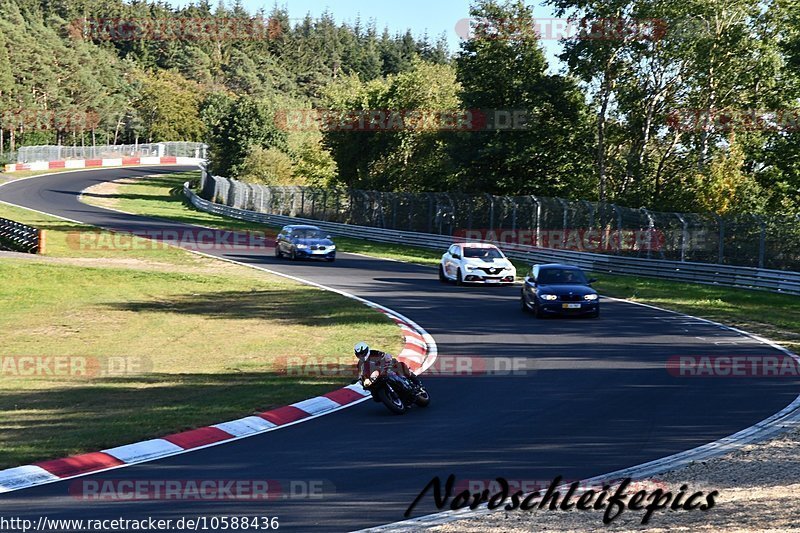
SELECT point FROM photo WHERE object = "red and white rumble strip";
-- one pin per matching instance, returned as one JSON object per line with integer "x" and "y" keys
{"x": 99, "y": 163}
{"x": 419, "y": 353}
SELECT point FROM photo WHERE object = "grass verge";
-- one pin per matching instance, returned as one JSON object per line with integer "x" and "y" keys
{"x": 775, "y": 316}
{"x": 168, "y": 341}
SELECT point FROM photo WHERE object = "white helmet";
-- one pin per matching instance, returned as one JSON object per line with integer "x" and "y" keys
{"x": 362, "y": 350}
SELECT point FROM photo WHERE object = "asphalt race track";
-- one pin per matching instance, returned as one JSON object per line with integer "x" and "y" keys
{"x": 599, "y": 400}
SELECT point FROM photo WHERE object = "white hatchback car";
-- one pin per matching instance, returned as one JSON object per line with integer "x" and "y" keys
{"x": 476, "y": 263}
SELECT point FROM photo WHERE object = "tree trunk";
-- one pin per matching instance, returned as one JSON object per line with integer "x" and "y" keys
{"x": 660, "y": 168}
{"x": 116, "y": 129}
{"x": 601, "y": 147}
{"x": 606, "y": 88}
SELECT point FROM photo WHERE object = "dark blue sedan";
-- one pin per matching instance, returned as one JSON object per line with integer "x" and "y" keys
{"x": 301, "y": 241}
{"x": 556, "y": 289}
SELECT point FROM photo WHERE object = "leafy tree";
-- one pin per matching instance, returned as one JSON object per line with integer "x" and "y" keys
{"x": 639, "y": 118}
{"x": 247, "y": 123}
{"x": 503, "y": 70}
{"x": 386, "y": 146}
{"x": 169, "y": 105}
{"x": 267, "y": 166}
{"x": 725, "y": 188}
{"x": 700, "y": 61}
{"x": 6, "y": 86}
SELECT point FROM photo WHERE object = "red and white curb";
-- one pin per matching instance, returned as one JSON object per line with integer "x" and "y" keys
{"x": 107, "y": 162}
{"x": 419, "y": 353}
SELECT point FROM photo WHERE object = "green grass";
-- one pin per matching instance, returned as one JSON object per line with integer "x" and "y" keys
{"x": 210, "y": 334}
{"x": 773, "y": 315}
{"x": 162, "y": 196}
{"x": 63, "y": 240}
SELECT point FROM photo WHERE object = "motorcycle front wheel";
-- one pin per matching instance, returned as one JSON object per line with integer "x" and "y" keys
{"x": 391, "y": 400}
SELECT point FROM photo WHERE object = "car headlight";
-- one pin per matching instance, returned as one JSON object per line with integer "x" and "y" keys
{"x": 590, "y": 297}
{"x": 548, "y": 296}
{"x": 302, "y": 246}
{"x": 332, "y": 247}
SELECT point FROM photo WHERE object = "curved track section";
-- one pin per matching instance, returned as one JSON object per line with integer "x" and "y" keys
{"x": 596, "y": 397}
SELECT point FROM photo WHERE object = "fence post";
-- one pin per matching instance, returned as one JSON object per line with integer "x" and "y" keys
{"x": 762, "y": 240}
{"x": 451, "y": 213}
{"x": 314, "y": 205}
{"x": 564, "y": 222}
{"x": 721, "y": 243}
{"x": 203, "y": 173}
{"x": 394, "y": 210}
{"x": 491, "y": 211}
{"x": 535, "y": 225}
{"x": 430, "y": 212}
{"x": 377, "y": 217}
{"x": 684, "y": 235}
{"x": 42, "y": 247}
{"x": 650, "y": 228}
{"x": 230, "y": 192}
{"x": 514, "y": 217}
{"x": 471, "y": 209}
{"x": 411, "y": 209}
{"x": 591, "y": 209}
{"x": 619, "y": 228}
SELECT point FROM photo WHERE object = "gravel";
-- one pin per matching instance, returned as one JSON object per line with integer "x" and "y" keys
{"x": 759, "y": 490}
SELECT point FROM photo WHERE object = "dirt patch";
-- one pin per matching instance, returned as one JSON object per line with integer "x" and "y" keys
{"x": 194, "y": 264}
{"x": 15, "y": 255}
{"x": 105, "y": 194}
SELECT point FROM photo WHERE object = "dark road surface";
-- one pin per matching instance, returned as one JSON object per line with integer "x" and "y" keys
{"x": 599, "y": 399}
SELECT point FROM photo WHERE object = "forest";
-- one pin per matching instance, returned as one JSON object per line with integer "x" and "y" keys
{"x": 675, "y": 106}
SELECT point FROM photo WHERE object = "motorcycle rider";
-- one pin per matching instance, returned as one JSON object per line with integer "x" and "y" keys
{"x": 370, "y": 360}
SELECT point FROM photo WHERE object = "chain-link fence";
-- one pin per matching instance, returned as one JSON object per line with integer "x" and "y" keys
{"x": 30, "y": 154}
{"x": 578, "y": 225}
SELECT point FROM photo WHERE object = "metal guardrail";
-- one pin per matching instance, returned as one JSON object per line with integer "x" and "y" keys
{"x": 706, "y": 273}
{"x": 18, "y": 237}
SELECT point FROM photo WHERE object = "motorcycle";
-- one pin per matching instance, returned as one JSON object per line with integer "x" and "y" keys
{"x": 396, "y": 392}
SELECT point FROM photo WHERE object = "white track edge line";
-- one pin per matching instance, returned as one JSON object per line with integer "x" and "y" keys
{"x": 769, "y": 427}
{"x": 729, "y": 446}
{"x": 430, "y": 356}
